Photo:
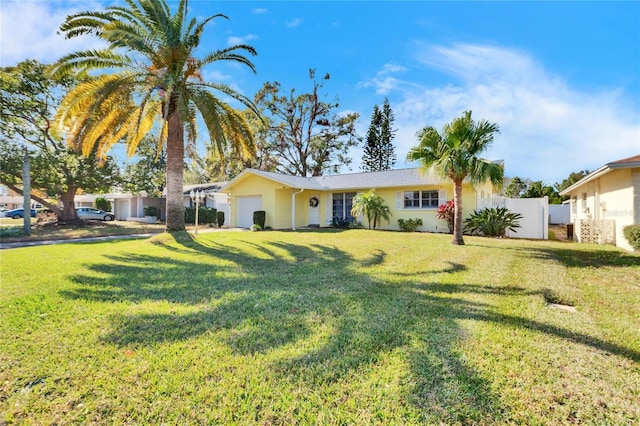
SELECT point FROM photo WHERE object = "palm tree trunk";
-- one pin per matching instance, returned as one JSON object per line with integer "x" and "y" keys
{"x": 457, "y": 222}
{"x": 175, "y": 171}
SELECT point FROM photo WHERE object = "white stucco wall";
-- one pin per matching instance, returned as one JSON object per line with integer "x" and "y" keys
{"x": 614, "y": 196}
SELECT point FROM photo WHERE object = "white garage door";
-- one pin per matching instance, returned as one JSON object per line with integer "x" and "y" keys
{"x": 121, "y": 209}
{"x": 245, "y": 208}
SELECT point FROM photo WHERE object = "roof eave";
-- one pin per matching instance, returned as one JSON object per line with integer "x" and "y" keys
{"x": 599, "y": 173}
{"x": 588, "y": 178}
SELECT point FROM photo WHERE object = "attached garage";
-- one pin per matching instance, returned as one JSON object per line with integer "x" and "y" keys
{"x": 245, "y": 208}
{"x": 122, "y": 208}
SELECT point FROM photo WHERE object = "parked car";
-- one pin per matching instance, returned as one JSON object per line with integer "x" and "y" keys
{"x": 18, "y": 213}
{"x": 91, "y": 213}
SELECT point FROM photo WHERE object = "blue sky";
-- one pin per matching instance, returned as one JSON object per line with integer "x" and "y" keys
{"x": 561, "y": 79}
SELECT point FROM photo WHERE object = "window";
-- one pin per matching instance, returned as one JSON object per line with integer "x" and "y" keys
{"x": 342, "y": 205}
{"x": 421, "y": 199}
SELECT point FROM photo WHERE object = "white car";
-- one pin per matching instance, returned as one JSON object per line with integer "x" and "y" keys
{"x": 91, "y": 213}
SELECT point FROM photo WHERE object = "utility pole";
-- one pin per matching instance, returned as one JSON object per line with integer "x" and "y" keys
{"x": 26, "y": 193}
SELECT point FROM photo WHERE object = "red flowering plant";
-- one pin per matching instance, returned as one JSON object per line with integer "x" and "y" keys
{"x": 446, "y": 212}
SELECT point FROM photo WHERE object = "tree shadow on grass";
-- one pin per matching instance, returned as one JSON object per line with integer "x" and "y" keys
{"x": 577, "y": 255}
{"x": 261, "y": 297}
{"x": 588, "y": 256}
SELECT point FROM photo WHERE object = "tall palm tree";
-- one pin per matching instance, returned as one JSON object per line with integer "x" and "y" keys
{"x": 371, "y": 205}
{"x": 454, "y": 154}
{"x": 151, "y": 81}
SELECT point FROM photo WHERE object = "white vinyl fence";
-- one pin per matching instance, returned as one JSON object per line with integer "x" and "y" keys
{"x": 535, "y": 215}
{"x": 559, "y": 213}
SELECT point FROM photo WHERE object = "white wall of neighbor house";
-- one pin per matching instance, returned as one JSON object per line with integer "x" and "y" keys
{"x": 616, "y": 201}
{"x": 613, "y": 196}
{"x": 221, "y": 203}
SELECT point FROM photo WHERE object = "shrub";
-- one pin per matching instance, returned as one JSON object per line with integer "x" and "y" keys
{"x": 11, "y": 232}
{"x": 220, "y": 218}
{"x": 632, "y": 234}
{"x": 492, "y": 222}
{"x": 409, "y": 225}
{"x": 447, "y": 211}
{"x": 340, "y": 222}
{"x": 259, "y": 218}
{"x": 103, "y": 204}
{"x": 150, "y": 211}
{"x": 255, "y": 227}
{"x": 205, "y": 215}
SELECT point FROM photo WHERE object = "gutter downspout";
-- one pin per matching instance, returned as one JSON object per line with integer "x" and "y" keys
{"x": 293, "y": 207}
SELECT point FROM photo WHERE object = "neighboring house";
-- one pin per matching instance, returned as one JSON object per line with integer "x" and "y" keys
{"x": 124, "y": 206}
{"x": 130, "y": 207}
{"x": 606, "y": 201}
{"x": 294, "y": 201}
{"x": 14, "y": 200}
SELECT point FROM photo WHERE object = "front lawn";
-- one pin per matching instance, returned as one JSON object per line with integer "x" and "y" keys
{"x": 11, "y": 230}
{"x": 326, "y": 327}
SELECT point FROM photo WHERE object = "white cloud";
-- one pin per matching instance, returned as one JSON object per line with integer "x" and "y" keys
{"x": 294, "y": 22}
{"x": 241, "y": 40}
{"x": 548, "y": 129}
{"x": 259, "y": 10}
{"x": 29, "y": 30}
{"x": 383, "y": 82}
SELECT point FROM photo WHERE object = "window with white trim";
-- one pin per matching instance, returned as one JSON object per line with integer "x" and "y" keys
{"x": 342, "y": 205}
{"x": 421, "y": 199}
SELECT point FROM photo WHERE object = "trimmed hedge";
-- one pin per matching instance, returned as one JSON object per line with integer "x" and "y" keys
{"x": 409, "y": 225}
{"x": 632, "y": 234}
{"x": 205, "y": 215}
{"x": 259, "y": 218}
{"x": 150, "y": 211}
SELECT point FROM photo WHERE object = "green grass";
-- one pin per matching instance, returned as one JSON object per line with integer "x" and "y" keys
{"x": 326, "y": 327}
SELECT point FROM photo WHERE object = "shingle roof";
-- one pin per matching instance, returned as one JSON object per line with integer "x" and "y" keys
{"x": 385, "y": 179}
{"x": 625, "y": 161}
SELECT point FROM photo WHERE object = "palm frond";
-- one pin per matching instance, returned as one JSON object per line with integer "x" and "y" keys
{"x": 232, "y": 54}
{"x": 225, "y": 89}
{"x": 87, "y": 60}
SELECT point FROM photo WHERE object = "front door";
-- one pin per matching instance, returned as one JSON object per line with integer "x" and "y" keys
{"x": 314, "y": 211}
